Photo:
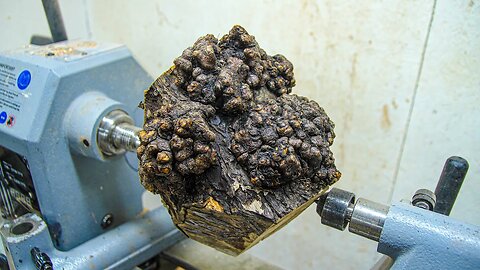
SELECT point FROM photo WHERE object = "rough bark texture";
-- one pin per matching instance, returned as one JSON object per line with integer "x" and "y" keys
{"x": 233, "y": 155}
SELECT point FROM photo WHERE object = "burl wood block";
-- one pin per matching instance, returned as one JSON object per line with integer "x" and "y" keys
{"x": 233, "y": 155}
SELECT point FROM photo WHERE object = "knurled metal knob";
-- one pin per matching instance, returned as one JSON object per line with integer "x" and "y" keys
{"x": 424, "y": 198}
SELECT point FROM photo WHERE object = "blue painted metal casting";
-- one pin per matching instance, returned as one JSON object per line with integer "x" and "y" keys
{"x": 120, "y": 248}
{"x": 419, "y": 239}
{"x": 53, "y": 100}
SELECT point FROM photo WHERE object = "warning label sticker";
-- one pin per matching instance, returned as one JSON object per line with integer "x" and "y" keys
{"x": 12, "y": 84}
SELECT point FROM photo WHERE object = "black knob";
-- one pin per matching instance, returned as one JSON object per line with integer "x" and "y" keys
{"x": 449, "y": 184}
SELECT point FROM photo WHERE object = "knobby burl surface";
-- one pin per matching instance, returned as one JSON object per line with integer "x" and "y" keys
{"x": 232, "y": 153}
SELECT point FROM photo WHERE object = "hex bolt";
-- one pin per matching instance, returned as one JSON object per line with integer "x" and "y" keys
{"x": 107, "y": 220}
{"x": 424, "y": 199}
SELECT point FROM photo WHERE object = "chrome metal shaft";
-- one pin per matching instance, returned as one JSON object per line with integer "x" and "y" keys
{"x": 338, "y": 209}
{"x": 117, "y": 134}
{"x": 126, "y": 136}
{"x": 368, "y": 218}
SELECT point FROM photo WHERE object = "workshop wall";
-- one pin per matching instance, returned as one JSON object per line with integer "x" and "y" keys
{"x": 400, "y": 80}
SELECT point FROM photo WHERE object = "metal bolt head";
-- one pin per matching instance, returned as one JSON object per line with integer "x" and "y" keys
{"x": 424, "y": 199}
{"x": 107, "y": 220}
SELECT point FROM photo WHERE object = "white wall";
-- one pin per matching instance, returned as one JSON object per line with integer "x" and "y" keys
{"x": 400, "y": 80}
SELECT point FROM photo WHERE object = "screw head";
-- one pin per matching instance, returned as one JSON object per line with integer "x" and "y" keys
{"x": 107, "y": 221}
